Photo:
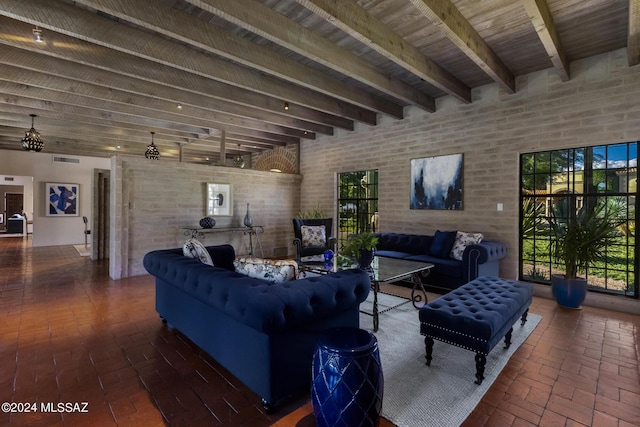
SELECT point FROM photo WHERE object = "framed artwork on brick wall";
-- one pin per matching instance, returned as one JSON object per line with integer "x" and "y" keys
{"x": 436, "y": 182}
{"x": 219, "y": 200}
{"x": 62, "y": 199}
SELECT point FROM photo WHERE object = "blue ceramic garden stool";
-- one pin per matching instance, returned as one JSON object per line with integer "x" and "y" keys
{"x": 348, "y": 384}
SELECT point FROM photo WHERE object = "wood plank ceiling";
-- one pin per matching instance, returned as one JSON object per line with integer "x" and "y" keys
{"x": 212, "y": 78}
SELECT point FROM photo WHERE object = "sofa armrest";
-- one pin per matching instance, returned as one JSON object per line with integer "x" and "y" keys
{"x": 290, "y": 305}
{"x": 481, "y": 253}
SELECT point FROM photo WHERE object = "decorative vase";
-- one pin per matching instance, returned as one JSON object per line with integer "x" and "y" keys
{"x": 248, "y": 220}
{"x": 347, "y": 382}
{"x": 568, "y": 293}
{"x": 328, "y": 255}
{"x": 366, "y": 258}
{"x": 207, "y": 222}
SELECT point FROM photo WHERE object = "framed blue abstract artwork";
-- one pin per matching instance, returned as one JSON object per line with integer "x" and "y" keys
{"x": 62, "y": 199}
{"x": 436, "y": 182}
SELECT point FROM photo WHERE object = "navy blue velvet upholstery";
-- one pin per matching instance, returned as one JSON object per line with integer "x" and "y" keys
{"x": 478, "y": 315}
{"x": 482, "y": 259}
{"x": 442, "y": 243}
{"x": 263, "y": 333}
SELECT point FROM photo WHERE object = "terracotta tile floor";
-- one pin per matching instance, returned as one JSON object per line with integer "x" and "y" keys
{"x": 70, "y": 334}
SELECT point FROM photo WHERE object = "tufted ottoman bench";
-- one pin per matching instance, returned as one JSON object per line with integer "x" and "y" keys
{"x": 476, "y": 316}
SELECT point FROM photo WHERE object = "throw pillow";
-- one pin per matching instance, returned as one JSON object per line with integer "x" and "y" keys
{"x": 442, "y": 243}
{"x": 462, "y": 241}
{"x": 192, "y": 248}
{"x": 266, "y": 269}
{"x": 313, "y": 235}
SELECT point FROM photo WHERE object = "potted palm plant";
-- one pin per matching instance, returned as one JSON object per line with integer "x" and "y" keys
{"x": 579, "y": 238}
{"x": 361, "y": 247}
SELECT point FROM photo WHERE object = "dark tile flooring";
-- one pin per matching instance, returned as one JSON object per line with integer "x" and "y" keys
{"x": 69, "y": 334}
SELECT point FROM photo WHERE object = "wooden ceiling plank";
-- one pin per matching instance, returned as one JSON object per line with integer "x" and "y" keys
{"x": 215, "y": 102}
{"x": 355, "y": 21}
{"x": 84, "y": 118}
{"x": 84, "y": 111}
{"x": 97, "y": 136}
{"x": 271, "y": 25}
{"x": 83, "y": 106}
{"x": 203, "y": 35}
{"x": 189, "y": 111}
{"x": 633, "y": 37}
{"x": 79, "y": 51}
{"x": 540, "y": 16}
{"x": 445, "y": 16}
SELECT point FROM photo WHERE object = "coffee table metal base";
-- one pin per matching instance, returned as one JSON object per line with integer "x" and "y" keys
{"x": 418, "y": 295}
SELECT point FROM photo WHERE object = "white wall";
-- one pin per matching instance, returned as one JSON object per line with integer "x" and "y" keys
{"x": 52, "y": 231}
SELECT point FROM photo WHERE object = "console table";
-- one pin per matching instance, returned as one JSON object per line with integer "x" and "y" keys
{"x": 197, "y": 232}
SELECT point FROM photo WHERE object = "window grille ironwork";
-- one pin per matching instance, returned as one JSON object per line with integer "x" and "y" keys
{"x": 588, "y": 175}
{"x": 357, "y": 203}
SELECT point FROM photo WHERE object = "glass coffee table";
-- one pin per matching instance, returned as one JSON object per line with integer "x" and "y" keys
{"x": 385, "y": 271}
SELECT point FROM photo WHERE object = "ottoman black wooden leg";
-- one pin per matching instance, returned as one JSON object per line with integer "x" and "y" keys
{"x": 507, "y": 338}
{"x": 428, "y": 346}
{"x": 481, "y": 361}
{"x": 524, "y": 317}
{"x": 268, "y": 406}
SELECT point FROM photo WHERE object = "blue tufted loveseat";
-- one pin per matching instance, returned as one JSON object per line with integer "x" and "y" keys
{"x": 481, "y": 259}
{"x": 264, "y": 334}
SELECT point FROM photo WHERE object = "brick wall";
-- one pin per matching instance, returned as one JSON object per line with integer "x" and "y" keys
{"x": 599, "y": 105}
{"x": 151, "y": 201}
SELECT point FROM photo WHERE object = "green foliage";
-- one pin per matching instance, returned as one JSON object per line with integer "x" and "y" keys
{"x": 580, "y": 237}
{"x": 536, "y": 274}
{"x": 532, "y": 217}
{"x": 315, "y": 212}
{"x": 356, "y": 242}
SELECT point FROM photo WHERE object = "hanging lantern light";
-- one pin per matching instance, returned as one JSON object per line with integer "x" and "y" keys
{"x": 31, "y": 140}
{"x": 152, "y": 151}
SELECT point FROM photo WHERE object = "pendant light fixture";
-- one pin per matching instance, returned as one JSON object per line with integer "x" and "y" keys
{"x": 152, "y": 151}
{"x": 238, "y": 160}
{"x": 37, "y": 35}
{"x": 31, "y": 140}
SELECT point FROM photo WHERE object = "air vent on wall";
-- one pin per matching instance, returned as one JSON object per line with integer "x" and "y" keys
{"x": 65, "y": 160}
{"x": 8, "y": 178}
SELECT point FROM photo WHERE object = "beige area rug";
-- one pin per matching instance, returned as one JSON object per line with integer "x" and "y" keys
{"x": 443, "y": 394}
{"x": 83, "y": 250}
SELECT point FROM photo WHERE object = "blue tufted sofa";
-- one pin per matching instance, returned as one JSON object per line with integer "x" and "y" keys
{"x": 264, "y": 334}
{"x": 482, "y": 259}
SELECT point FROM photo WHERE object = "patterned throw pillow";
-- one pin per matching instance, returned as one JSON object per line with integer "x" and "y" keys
{"x": 267, "y": 269}
{"x": 192, "y": 248}
{"x": 313, "y": 235}
{"x": 462, "y": 241}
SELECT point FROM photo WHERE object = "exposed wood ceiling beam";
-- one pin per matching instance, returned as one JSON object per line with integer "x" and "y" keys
{"x": 358, "y": 23}
{"x": 540, "y": 16}
{"x": 455, "y": 26}
{"x": 181, "y": 26}
{"x": 160, "y": 60}
{"x": 122, "y": 112}
{"x": 129, "y": 102}
{"x": 274, "y": 27}
{"x": 633, "y": 38}
{"x": 196, "y": 97}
